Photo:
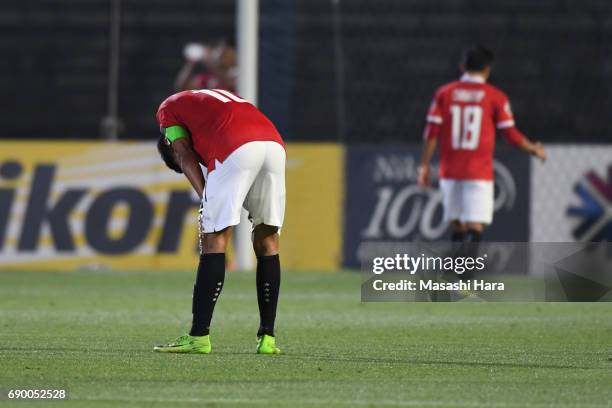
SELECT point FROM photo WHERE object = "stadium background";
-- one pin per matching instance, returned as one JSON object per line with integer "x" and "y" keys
{"x": 348, "y": 84}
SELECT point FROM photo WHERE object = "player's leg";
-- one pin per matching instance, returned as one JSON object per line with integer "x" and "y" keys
{"x": 206, "y": 290}
{"x": 268, "y": 277}
{"x": 210, "y": 279}
{"x": 266, "y": 205}
{"x": 226, "y": 190}
{"x": 473, "y": 231}
{"x": 265, "y": 244}
{"x": 209, "y": 282}
{"x": 458, "y": 230}
{"x": 452, "y": 206}
{"x": 478, "y": 202}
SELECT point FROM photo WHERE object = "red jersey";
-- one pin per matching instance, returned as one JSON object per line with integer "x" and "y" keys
{"x": 219, "y": 122}
{"x": 464, "y": 116}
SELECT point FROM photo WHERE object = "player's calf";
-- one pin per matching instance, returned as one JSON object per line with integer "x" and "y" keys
{"x": 209, "y": 280}
{"x": 457, "y": 231}
{"x": 474, "y": 231}
{"x": 265, "y": 244}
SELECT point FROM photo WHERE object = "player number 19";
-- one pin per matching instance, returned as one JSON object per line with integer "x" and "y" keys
{"x": 467, "y": 121}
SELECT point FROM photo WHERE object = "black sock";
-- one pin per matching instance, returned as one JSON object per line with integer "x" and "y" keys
{"x": 206, "y": 291}
{"x": 474, "y": 236}
{"x": 472, "y": 249}
{"x": 268, "y": 285}
{"x": 457, "y": 236}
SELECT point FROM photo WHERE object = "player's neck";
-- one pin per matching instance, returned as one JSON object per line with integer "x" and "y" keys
{"x": 476, "y": 77}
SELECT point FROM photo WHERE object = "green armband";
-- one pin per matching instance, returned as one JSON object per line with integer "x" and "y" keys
{"x": 175, "y": 132}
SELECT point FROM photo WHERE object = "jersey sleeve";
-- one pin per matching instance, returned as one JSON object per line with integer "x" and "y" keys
{"x": 166, "y": 118}
{"x": 432, "y": 131}
{"x": 434, "y": 115}
{"x": 504, "y": 118}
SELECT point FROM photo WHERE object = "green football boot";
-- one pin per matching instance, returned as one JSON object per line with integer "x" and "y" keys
{"x": 186, "y": 344}
{"x": 267, "y": 345}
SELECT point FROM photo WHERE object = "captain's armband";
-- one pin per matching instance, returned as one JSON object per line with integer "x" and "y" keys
{"x": 173, "y": 133}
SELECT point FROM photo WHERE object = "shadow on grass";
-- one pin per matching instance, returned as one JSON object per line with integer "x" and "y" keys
{"x": 410, "y": 361}
{"x": 313, "y": 358}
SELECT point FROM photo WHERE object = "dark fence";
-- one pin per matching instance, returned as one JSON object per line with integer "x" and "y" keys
{"x": 554, "y": 59}
{"x": 54, "y": 65}
{"x": 352, "y": 70}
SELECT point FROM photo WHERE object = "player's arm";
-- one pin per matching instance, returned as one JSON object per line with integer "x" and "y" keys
{"x": 533, "y": 148}
{"x": 430, "y": 139}
{"x": 505, "y": 124}
{"x": 194, "y": 53}
{"x": 429, "y": 148}
{"x": 516, "y": 138}
{"x": 187, "y": 159}
{"x": 184, "y": 79}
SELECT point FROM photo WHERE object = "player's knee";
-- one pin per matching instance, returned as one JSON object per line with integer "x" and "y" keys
{"x": 457, "y": 226}
{"x": 474, "y": 226}
{"x": 265, "y": 240}
{"x": 214, "y": 248}
{"x": 215, "y": 243}
{"x": 266, "y": 248}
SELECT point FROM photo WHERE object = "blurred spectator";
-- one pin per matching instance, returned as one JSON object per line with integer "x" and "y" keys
{"x": 207, "y": 67}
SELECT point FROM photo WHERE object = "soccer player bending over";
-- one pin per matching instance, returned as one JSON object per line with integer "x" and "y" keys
{"x": 463, "y": 117}
{"x": 244, "y": 159}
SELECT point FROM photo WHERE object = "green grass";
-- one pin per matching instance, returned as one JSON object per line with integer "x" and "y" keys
{"x": 92, "y": 333}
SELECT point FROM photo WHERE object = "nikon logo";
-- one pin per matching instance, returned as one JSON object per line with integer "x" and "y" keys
{"x": 51, "y": 210}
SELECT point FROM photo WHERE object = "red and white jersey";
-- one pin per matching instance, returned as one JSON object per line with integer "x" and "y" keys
{"x": 219, "y": 122}
{"x": 464, "y": 116}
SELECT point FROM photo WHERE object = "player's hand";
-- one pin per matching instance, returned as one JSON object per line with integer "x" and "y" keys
{"x": 539, "y": 152}
{"x": 423, "y": 176}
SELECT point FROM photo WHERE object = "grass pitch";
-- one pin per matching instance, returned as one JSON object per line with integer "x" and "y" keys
{"x": 93, "y": 333}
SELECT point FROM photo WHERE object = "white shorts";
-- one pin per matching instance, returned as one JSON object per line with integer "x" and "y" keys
{"x": 467, "y": 200}
{"x": 253, "y": 177}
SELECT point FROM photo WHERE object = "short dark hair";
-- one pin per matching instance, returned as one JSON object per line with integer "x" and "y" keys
{"x": 477, "y": 58}
{"x": 165, "y": 151}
